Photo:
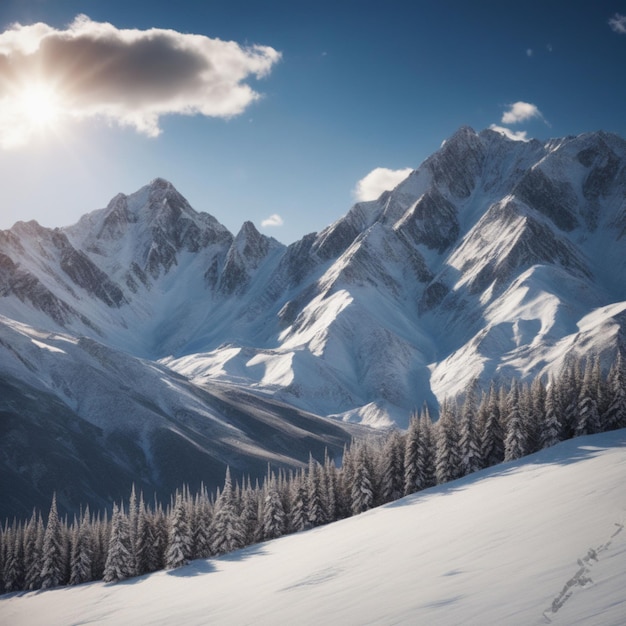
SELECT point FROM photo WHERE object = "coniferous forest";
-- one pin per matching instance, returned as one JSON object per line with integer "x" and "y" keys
{"x": 477, "y": 431}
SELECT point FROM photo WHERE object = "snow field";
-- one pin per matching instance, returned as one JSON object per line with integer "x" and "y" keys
{"x": 534, "y": 541}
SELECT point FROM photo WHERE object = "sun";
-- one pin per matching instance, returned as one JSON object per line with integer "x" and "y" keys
{"x": 33, "y": 110}
{"x": 40, "y": 106}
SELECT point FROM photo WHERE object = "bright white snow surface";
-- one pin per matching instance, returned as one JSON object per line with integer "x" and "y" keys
{"x": 536, "y": 541}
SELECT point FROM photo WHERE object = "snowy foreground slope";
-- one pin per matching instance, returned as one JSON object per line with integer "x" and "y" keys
{"x": 536, "y": 541}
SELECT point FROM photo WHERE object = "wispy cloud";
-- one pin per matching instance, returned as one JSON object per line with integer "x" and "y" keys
{"x": 272, "y": 221}
{"x": 378, "y": 180}
{"x": 521, "y": 112}
{"x": 130, "y": 77}
{"x": 618, "y": 23}
{"x": 519, "y": 135}
{"x": 529, "y": 52}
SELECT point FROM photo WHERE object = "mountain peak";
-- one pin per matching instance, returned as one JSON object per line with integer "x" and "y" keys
{"x": 160, "y": 183}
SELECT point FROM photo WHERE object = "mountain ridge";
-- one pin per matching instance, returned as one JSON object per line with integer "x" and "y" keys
{"x": 493, "y": 259}
{"x": 467, "y": 222}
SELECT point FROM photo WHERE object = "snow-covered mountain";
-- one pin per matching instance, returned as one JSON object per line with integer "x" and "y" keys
{"x": 539, "y": 541}
{"x": 495, "y": 258}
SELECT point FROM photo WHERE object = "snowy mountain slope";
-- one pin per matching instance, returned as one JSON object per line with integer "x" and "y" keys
{"x": 88, "y": 421}
{"x": 536, "y": 541}
{"x": 479, "y": 264}
{"x": 484, "y": 262}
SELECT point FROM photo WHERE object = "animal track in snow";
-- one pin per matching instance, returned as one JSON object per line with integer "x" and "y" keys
{"x": 582, "y": 577}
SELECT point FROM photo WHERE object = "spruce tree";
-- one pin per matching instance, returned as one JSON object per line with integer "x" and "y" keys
{"x": 119, "y": 562}
{"x": 588, "y": 418}
{"x": 179, "y": 544}
{"x": 569, "y": 384}
{"x": 550, "y": 426}
{"x": 317, "y": 502}
{"x": 274, "y": 520}
{"x": 412, "y": 482}
{"x": 447, "y": 449}
{"x": 101, "y": 531}
{"x": 146, "y": 545}
{"x": 392, "y": 468}
{"x": 469, "y": 442}
{"x": 300, "y": 504}
{"x": 227, "y": 532}
{"x": 250, "y": 507}
{"x": 492, "y": 435}
{"x": 81, "y": 553}
{"x": 615, "y": 414}
{"x": 161, "y": 534}
{"x": 515, "y": 439}
{"x": 201, "y": 524}
{"x": 537, "y": 409}
{"x": 33, "y": 553}
{"x": 52, "y": 571}
{"x": 330, "y": 480}
{"x": 426, "y": 451}
{"x": 12, "y": 573}
{"x": 133, "y": 516}
{"x": 362, "y": 490}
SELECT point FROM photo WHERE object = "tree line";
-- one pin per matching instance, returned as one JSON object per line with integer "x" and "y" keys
{"x": 474, "y": 432}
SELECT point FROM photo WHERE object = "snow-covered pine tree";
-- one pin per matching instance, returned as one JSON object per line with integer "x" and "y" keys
{"x": 588, "y": 421}
{"x": 362, "y": 489}
{"x": 344, "y": 484}
{"x": 600, "y": 384}
{"x": 146, "y": 554}
{"x": 317, "y": 504}
{"x": 391, "y": 468}
{"x": 133, "y": 518}
{"x": 615, "y": 415}
{"x": 492, "y": 435}
{"x": 201, "y": 524}
{"x": 330, "y": 480}
{"x": 227, "y": 532}
{"x": 274, "y": 520}
{"x": 300, "y": 504}
{"x": 179, "y": 543}
{"x": 33, "y": 552}
{"x": 161, "y": 532}
{"x": 81, "y": 550}
{"x": 119, "y": 561}
{"x": 447, "y": 449}
{"x": 549, "y": 425}
{"x": 515, "y": 439}
{"x": 250, "y": 507}
{"x": 411, "y": 452}
{"x": 101, "y": 531}
{"x": 426, "y": 452}
{"x": 469, "y": 442}
{"x": 13, "y": 566}
{"x": 537, "y": 410}
{"x": 569, "y": 385}
{"x": 53, "y": 559}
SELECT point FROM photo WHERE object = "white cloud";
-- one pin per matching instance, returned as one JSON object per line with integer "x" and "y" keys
{"x": 272, "y": 221}
{"x": 618, "y": 23}
{"x": 519, "y": 135}
{"x": 379, "y": 180}
{"x": 529, "y": 52}
{"x": 520, "y": 112}
{"x": 128, "y": 76}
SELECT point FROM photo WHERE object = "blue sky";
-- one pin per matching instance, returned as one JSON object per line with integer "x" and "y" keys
{"x": 342, "y": 88}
